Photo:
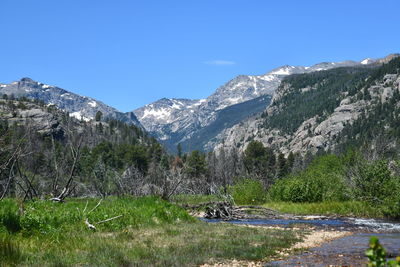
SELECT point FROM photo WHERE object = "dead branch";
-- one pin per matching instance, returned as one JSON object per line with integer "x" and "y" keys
{"x": 91, "y": 226}
{"x": 110, "y": 219}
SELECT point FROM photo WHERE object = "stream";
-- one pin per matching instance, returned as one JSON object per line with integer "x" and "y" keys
{"x": 345, "y": 251}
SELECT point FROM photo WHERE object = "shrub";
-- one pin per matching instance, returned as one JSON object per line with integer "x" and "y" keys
{"x": 371, "y": 180}
{"x": 376, "y": 254}
{"x": 374, "y": 182}
{"x": 322, "y": 181}
{"x": 248, "y": 191}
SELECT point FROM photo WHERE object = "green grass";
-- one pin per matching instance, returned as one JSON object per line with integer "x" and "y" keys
{"x": 187, "y": 244}
{"x": 341, "y": 208}
{"x": 152, "y": 232}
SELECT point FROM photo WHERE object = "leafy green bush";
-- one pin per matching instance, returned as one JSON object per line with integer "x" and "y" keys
{"x": 248, "y": 191}
{"x": 374, "y": 182}
{"x": 322, "y": 181}
{"x": 376, "y": 254}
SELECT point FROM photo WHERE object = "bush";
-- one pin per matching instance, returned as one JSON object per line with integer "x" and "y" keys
{"x": 322, "y": 181}
{"x": 374, "y": 182}
{"x": 248, "y": 191}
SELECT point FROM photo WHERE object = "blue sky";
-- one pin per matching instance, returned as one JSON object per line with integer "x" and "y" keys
{"x": 130, "y": 53}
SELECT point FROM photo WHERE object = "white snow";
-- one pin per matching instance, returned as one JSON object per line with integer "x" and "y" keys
{"x": 230, "y": 101}
{"x": 78, "y": 115}
{"x": 160, "y": 114}
{"x": 281, "y": 71}
{"x": 92, "y": 103}
{"x": 267, "y": 78}
{"x": 28, "y": 90}
{"x": 3, "y": 85}
{"x": 46, "y": 86}
{"x": 366, "y": 61}
{"x": 67, "y": 96}
{"x": 176, "y": 106}
{"x": 198, "y": 103}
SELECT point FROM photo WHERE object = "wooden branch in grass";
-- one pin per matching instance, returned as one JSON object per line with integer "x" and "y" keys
{"x": 87, "y": 202}
{"x": 110, "y": 219}
{"x": 98, "y": 204}
{"x": 92, "y": 227}
{"x": 88, "y": 224}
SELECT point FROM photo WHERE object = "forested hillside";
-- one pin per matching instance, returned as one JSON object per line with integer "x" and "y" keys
{"x": 327, "y": 111}
{"x": 45, "y": 152}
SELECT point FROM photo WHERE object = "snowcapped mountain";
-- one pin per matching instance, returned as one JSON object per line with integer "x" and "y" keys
{"x": 176, "y": 121}
{"x": 165, "y": 111}
{"x": 80, "y": 107}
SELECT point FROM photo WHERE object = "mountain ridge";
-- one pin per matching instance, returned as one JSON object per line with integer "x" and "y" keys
{"x": 178, "y": 125}
{"x": 80, "y": 107}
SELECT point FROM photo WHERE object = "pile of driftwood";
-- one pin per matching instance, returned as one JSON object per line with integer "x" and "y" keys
{"x": 226, "y": 211}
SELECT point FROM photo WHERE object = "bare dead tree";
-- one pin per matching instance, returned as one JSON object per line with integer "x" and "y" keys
{"x": 74, "y": 143}
{"x": 172, "y": 180}
{"x": 130, "y": 182}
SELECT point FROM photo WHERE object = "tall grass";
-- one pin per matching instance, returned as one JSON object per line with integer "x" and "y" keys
{"x": 10, "y": 253}
{"x": 151, "y": 232}
{"x": 45, "y": 217}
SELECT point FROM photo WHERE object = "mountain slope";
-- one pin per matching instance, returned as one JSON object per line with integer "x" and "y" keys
{"x": 80, "y": 107}
{"x": 175, "y": 121}
{"x": 327, "y": 110}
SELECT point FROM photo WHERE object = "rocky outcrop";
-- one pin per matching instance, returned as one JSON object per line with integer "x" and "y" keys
{"x": 34, "y": 117}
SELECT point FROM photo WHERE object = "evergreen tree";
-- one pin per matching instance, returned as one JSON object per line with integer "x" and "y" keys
{"x": 98, "y": 116}
{"x": 196, "y": 164}
{"x": 179, "y": 148}
{"x": 282, "y": 167}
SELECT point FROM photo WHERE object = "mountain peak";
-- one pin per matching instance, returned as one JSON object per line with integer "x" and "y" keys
{"x": 26, "y": 79}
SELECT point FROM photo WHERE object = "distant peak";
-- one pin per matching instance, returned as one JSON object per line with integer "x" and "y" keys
{"x": 283, "y": 70}
{"x": 26, "y": 79}
{"x": 391, "y": 56}
{"x": 367, "y": 61}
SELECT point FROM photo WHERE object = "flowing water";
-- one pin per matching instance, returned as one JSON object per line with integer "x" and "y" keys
{"x": 345, "y": 251}
{"x": 346, "y": 224}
